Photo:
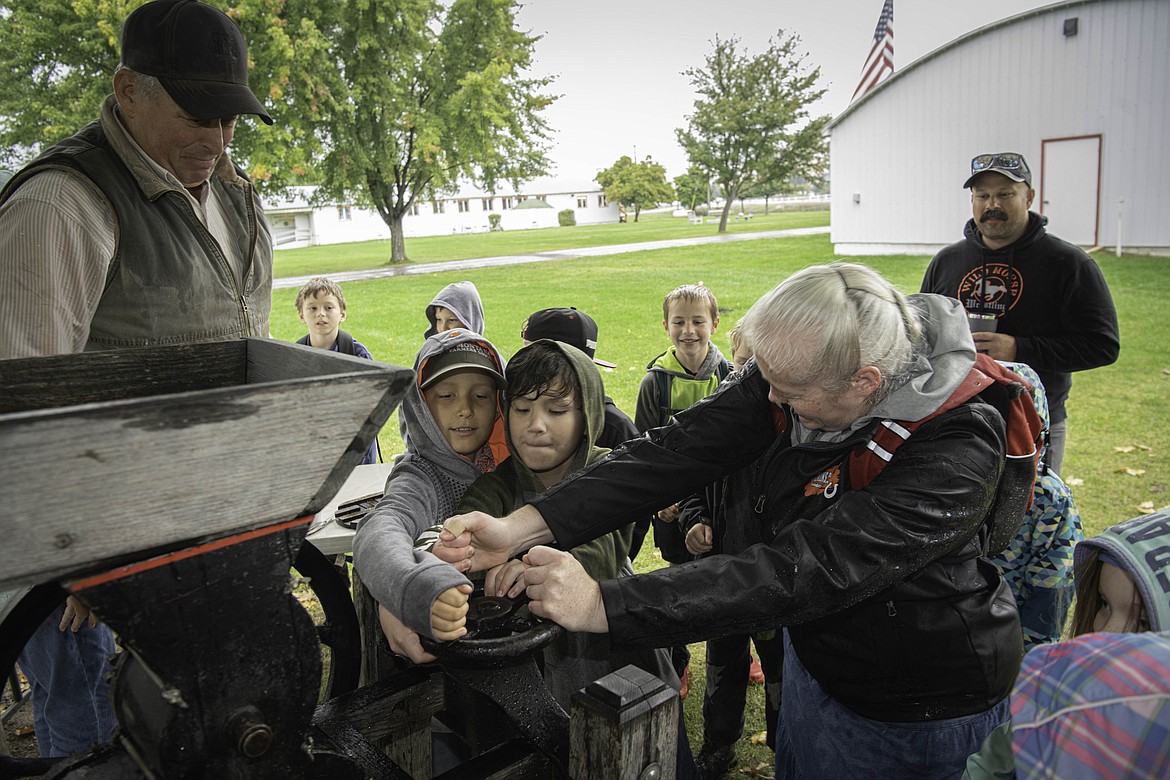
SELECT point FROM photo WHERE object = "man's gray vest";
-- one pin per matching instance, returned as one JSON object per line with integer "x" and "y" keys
{"x": 168, "y": 282}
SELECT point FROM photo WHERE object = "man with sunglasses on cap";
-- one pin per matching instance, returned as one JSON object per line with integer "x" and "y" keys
{"x": 136, "y": 231}
{"x": 1030, "y": 297}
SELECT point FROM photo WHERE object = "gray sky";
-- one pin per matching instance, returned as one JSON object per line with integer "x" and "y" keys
{"x": 619, "y": 63}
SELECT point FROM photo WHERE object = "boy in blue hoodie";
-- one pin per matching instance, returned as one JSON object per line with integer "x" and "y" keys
{"x": 321, "y": 306}
{"x": 1081, "y": 707}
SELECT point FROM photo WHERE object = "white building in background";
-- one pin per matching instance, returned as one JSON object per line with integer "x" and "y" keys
{"x": 297, "y": 223}
{"x": 1080, "y": 88}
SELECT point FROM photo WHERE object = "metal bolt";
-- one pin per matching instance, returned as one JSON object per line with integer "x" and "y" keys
{"x": 652, "y": 772}
{"x": 174, "y": 696}
{"x": 63, "y": 540}
{"x": 255, "y": 740}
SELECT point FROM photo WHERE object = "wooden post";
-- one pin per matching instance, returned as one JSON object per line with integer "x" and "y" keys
{"x": 623, "y": 725}
{"x": 409, "y": 744}
{"x": 377, "y": 661}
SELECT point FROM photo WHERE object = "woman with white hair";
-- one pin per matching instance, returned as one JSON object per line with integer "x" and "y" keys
{"x": 879, "y": 475}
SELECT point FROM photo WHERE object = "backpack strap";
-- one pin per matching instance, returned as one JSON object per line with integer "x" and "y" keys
{"x": 345, "y": 343}
{"x": 662, "y": 382}
{"x": 1009, "y": 394}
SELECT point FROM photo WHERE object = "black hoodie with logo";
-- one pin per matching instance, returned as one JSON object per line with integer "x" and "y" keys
{"x": 1046, "y": 292}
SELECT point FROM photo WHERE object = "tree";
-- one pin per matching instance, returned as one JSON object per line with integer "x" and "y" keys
{"x": 751, "y": 121}
{"x": 635, "y": 185}
{"x": 692, "y": 187}
{"x": 429, "y": 94}
{"x": 765, "y": 190}
{"x": 380, "y": 103}
{"x": 57, "y": 56}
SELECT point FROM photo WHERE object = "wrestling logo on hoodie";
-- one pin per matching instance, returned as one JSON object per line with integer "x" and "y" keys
{"x": 824, "y": 484}
{"x": 995, "y": 293}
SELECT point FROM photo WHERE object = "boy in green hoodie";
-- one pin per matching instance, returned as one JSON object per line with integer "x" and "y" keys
{"x": 553, "y": 413}
{"x": 681, "y": 376}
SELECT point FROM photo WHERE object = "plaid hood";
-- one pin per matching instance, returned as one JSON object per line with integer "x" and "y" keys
{"x": 1092, "y": 707}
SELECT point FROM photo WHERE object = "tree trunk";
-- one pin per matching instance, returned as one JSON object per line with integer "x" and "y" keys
{"x": 637, "y": 211}
{"x": 766, "y": 205}
{"x": 397, "y": 240}
{"x": 723, "y": 216}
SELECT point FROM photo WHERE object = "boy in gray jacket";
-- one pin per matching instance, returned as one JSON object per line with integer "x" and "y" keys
{"x": 456, "y": 435}
{"x": 455, "y": 306}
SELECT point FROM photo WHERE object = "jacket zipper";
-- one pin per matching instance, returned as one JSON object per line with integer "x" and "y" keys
{"x": 210, "y": 242}
{"x": 253, "y": 234}
{"x": 247, "y": 314}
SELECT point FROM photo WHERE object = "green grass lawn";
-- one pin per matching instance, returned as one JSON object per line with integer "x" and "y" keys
{"x": 429, "y": 249}
{"x": 1116, "y": 456}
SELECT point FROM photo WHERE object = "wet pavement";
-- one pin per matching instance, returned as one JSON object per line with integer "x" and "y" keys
{"x": 541, "y": 257}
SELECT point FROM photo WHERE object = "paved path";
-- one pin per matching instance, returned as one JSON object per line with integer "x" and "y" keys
{"x": 540, "y": 257}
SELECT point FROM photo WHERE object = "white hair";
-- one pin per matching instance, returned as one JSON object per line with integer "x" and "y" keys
{"x": 823, "y": 323}
{"x": 149, "y": 86}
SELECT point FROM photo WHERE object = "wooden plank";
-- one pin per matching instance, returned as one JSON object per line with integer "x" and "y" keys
{"x": 269, "y": 360}
{"x": 94, "y": 377}
{"x": 94, "y": 484}
{"x": 113, "y": 375}
{"x": 394, "y": 714}
{"x": 377, "y": 661}
{"x": 513, "y": 760}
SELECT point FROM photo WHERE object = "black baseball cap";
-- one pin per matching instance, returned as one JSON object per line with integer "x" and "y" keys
{"x": 1010, "y": 164}
{"x": 575, "y": 328}
{"x": 196, "y": 52}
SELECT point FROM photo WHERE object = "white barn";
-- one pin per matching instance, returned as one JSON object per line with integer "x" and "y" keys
{"x": 296, "y": 222}
{"x": 1080, "y": 88}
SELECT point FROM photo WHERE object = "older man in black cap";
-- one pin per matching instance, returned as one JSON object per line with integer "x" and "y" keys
{"x": 139, "y": 229}
{"x": 1029, "y": 296}
{"x": 136, "y": 231}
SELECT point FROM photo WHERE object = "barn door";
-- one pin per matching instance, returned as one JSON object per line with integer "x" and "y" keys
{"x": 1070, "y": 187}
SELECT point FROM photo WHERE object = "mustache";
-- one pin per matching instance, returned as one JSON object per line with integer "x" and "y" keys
{"x": 993, "y": 214}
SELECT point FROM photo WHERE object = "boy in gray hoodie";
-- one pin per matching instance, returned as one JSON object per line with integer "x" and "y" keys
{"x": 457, "y": 434}
{"x": 456, "y": 306}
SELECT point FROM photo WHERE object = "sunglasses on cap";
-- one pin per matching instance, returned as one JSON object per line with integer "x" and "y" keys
{"x": 1007, "y": 160}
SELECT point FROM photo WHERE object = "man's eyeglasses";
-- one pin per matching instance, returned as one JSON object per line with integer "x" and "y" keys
{"x": 1007, "y": 160}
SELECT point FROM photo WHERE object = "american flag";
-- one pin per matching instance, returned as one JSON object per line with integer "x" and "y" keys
{"x": 880, "y": 62}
